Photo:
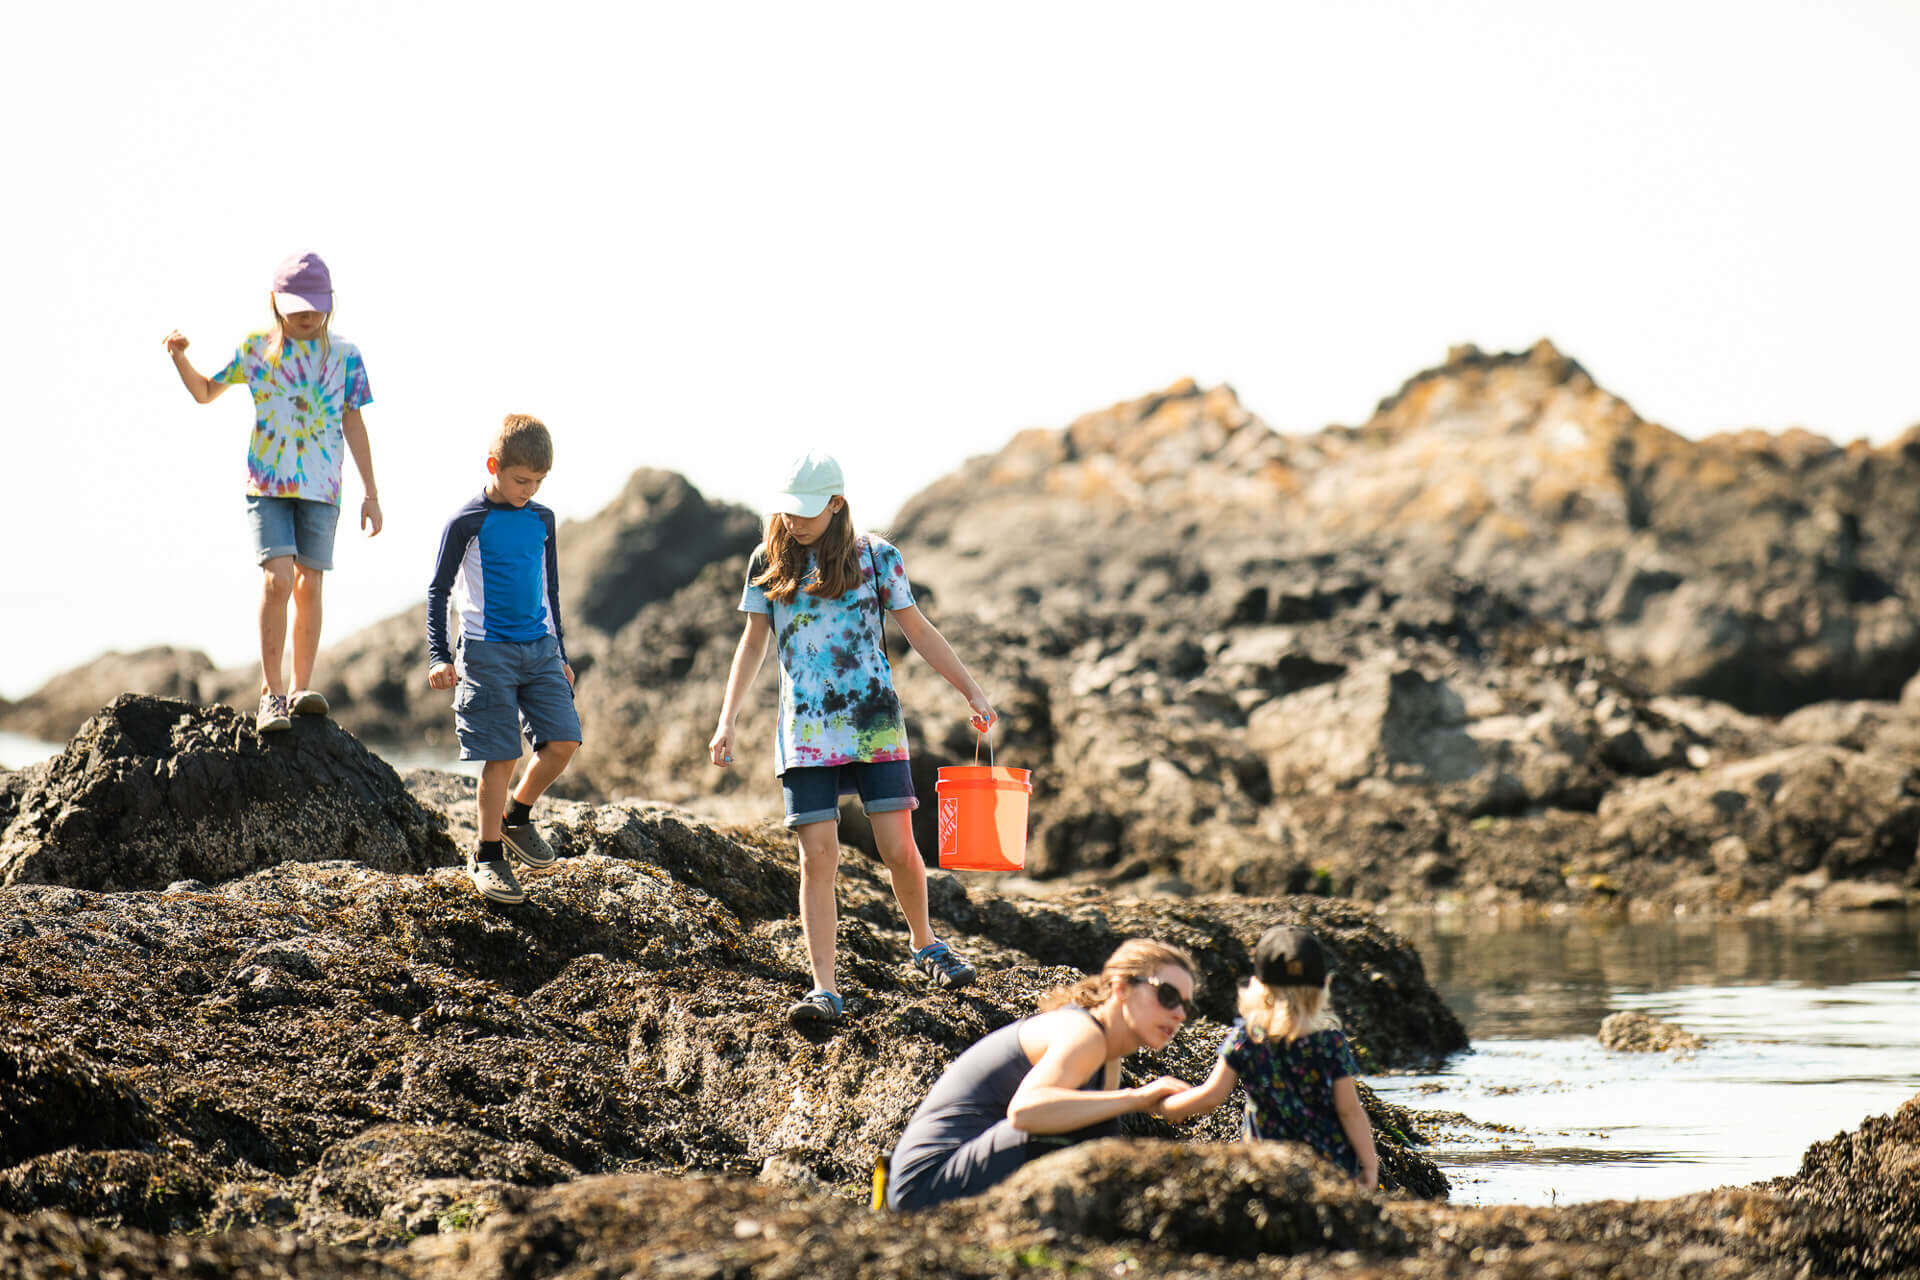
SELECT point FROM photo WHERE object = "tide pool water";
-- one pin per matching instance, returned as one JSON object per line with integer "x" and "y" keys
{"x": 1811, "y": 1026}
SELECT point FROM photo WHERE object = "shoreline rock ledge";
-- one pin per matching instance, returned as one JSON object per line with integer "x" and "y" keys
{"x": 297, "y": 1065}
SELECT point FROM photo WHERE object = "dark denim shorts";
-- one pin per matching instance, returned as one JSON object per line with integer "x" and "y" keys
{"x": 813, "y": 795}
{"x": 507, "y": 689}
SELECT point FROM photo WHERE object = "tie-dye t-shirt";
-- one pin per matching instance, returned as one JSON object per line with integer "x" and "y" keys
{"x": 1289, "y": 1086}
{"x": 837, "y": 704}
{"x": 299, "y": 403}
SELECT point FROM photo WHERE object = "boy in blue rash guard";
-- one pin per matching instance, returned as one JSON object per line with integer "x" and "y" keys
{"x": 499, "y": 561}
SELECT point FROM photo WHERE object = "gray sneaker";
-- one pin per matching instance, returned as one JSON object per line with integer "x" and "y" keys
{"x": 272, "y": 716}
{"x": 309, "y": 702}
{"x": 524, "y": 842}
{"x": 494, "y": 879}
{"x": 942, "y": 967}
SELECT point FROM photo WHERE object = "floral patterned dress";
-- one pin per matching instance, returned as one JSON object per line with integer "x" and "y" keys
{"x": 1289, "y": 1086}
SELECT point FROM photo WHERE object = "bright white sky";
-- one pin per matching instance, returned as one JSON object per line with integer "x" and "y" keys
{"x": 703, "y": 235}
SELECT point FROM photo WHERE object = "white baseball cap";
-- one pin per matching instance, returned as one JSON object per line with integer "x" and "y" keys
{"x": 812, "y": 478}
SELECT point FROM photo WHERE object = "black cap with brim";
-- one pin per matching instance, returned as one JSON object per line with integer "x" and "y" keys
{"x": 1289, "y": 956}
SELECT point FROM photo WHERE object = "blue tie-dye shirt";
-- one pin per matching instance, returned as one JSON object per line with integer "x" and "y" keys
{"x": 837, "y": 704}
{"x": 299, "y": 406}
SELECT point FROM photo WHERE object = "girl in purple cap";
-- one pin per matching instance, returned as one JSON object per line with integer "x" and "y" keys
{"x": 308, "y": 387}
{"x": 1289, "y": 1052}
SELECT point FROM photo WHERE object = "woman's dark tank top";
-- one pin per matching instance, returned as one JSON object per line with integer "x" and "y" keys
{"x": 972, "y": 1096}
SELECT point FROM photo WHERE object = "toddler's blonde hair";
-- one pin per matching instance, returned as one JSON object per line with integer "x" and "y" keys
{"x": 1286, "y": 1013}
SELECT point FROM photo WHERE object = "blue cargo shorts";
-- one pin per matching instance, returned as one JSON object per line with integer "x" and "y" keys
{"x": 507, "y": 688}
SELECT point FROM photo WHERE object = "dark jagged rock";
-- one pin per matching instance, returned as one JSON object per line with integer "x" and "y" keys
{"x": 650, "y": 541}
{"x": 1267, "y": 1198}
{"x": 152, "y": 790}
{"x": 1634, "y": 1032}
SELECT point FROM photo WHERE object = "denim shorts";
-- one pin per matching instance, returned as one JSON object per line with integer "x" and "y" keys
{"x": 296, "y": 527}
{"x": 813, "y": 794}
{"x": 507, "y": 688}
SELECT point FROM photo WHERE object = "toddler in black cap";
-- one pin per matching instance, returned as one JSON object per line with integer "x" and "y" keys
{"x": 1289, "y": 1052}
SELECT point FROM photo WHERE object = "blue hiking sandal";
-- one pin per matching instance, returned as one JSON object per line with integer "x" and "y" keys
{"x": 942, "y": 967}
{"x": 818, "y": 1008}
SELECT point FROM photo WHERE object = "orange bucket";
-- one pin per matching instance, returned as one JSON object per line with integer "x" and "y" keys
{"x": 983, "y": 815}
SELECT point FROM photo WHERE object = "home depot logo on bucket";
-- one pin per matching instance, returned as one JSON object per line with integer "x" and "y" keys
{"x": 983, "y": 817}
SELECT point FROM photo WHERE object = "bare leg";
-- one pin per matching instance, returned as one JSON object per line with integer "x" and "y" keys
{"x": 893, "y": 835}
{"x": 819, "y": 915}
{"x": 306, "y": 624}
{"x": 276, "y": 587}
{"x": 494, "y": 776}
{"x": 549, "y": 762}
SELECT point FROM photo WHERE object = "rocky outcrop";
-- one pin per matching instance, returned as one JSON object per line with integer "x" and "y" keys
{"x": 153, "y": 791}
{"x": 1633, "y": 1032}
{"x": 1506, "y": 642}
{"x": 362, "y": 1048}
{"x": 1131, "y": 1208}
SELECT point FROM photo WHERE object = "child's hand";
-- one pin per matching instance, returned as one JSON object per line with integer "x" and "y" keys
{"x": 175, "y": 342}
{"x": 567, "y": 671}
{"x": 441, "y": 675}
{"x": 721, "y": 748}
{"x": 370, "y": 517}
{"x": 1370, "y": 1176}
{"x": 1153, "y": 1095}
{"x": 983, "y": 716}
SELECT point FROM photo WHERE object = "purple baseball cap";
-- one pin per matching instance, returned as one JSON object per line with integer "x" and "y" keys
{"x": 302, "y": 283}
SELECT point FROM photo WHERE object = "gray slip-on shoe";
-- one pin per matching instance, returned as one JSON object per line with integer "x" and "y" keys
{"x": 494, "y": 879}
{"x": 524, "y": 841}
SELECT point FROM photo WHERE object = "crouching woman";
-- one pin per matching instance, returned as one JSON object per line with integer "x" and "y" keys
{"x": 1047, "y": 1081}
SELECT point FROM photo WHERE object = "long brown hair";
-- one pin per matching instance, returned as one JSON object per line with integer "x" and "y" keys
{"x": 836, "y": 553}
{"x": 1135, "y": 958}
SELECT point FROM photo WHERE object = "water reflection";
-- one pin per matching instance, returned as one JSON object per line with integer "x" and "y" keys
{"x": 1509, "y": 979}
{"x": 1811, "y": 1026}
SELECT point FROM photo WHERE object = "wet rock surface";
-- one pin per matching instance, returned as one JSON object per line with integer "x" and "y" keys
{"x": 322, "y": 1067}
{"x": 364, "y": 1049}
{"x": 1633, "y": 1032}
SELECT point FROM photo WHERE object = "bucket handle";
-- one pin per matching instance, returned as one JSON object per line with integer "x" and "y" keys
{"x": 986, "y": 733}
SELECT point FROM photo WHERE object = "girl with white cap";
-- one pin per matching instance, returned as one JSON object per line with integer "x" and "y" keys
{"x": 817, "y": 592}
{"x": 308, "y": 387}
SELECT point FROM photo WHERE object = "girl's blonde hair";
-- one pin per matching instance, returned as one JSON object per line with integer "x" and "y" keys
{"x": 277, "y": 345}
{"x": 836, "y": 554}
{"x": 1136, "y": 958}
{"x": 1285, "y": 1013}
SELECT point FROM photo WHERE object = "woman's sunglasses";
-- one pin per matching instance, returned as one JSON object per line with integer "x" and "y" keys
{"x": 1169, "y": 995}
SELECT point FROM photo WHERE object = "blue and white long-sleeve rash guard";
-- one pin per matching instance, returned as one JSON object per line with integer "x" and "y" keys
{"x": 500, "y": 561}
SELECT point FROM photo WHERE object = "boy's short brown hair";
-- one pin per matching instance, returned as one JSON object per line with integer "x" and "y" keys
{"x": 523, "y": 442}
